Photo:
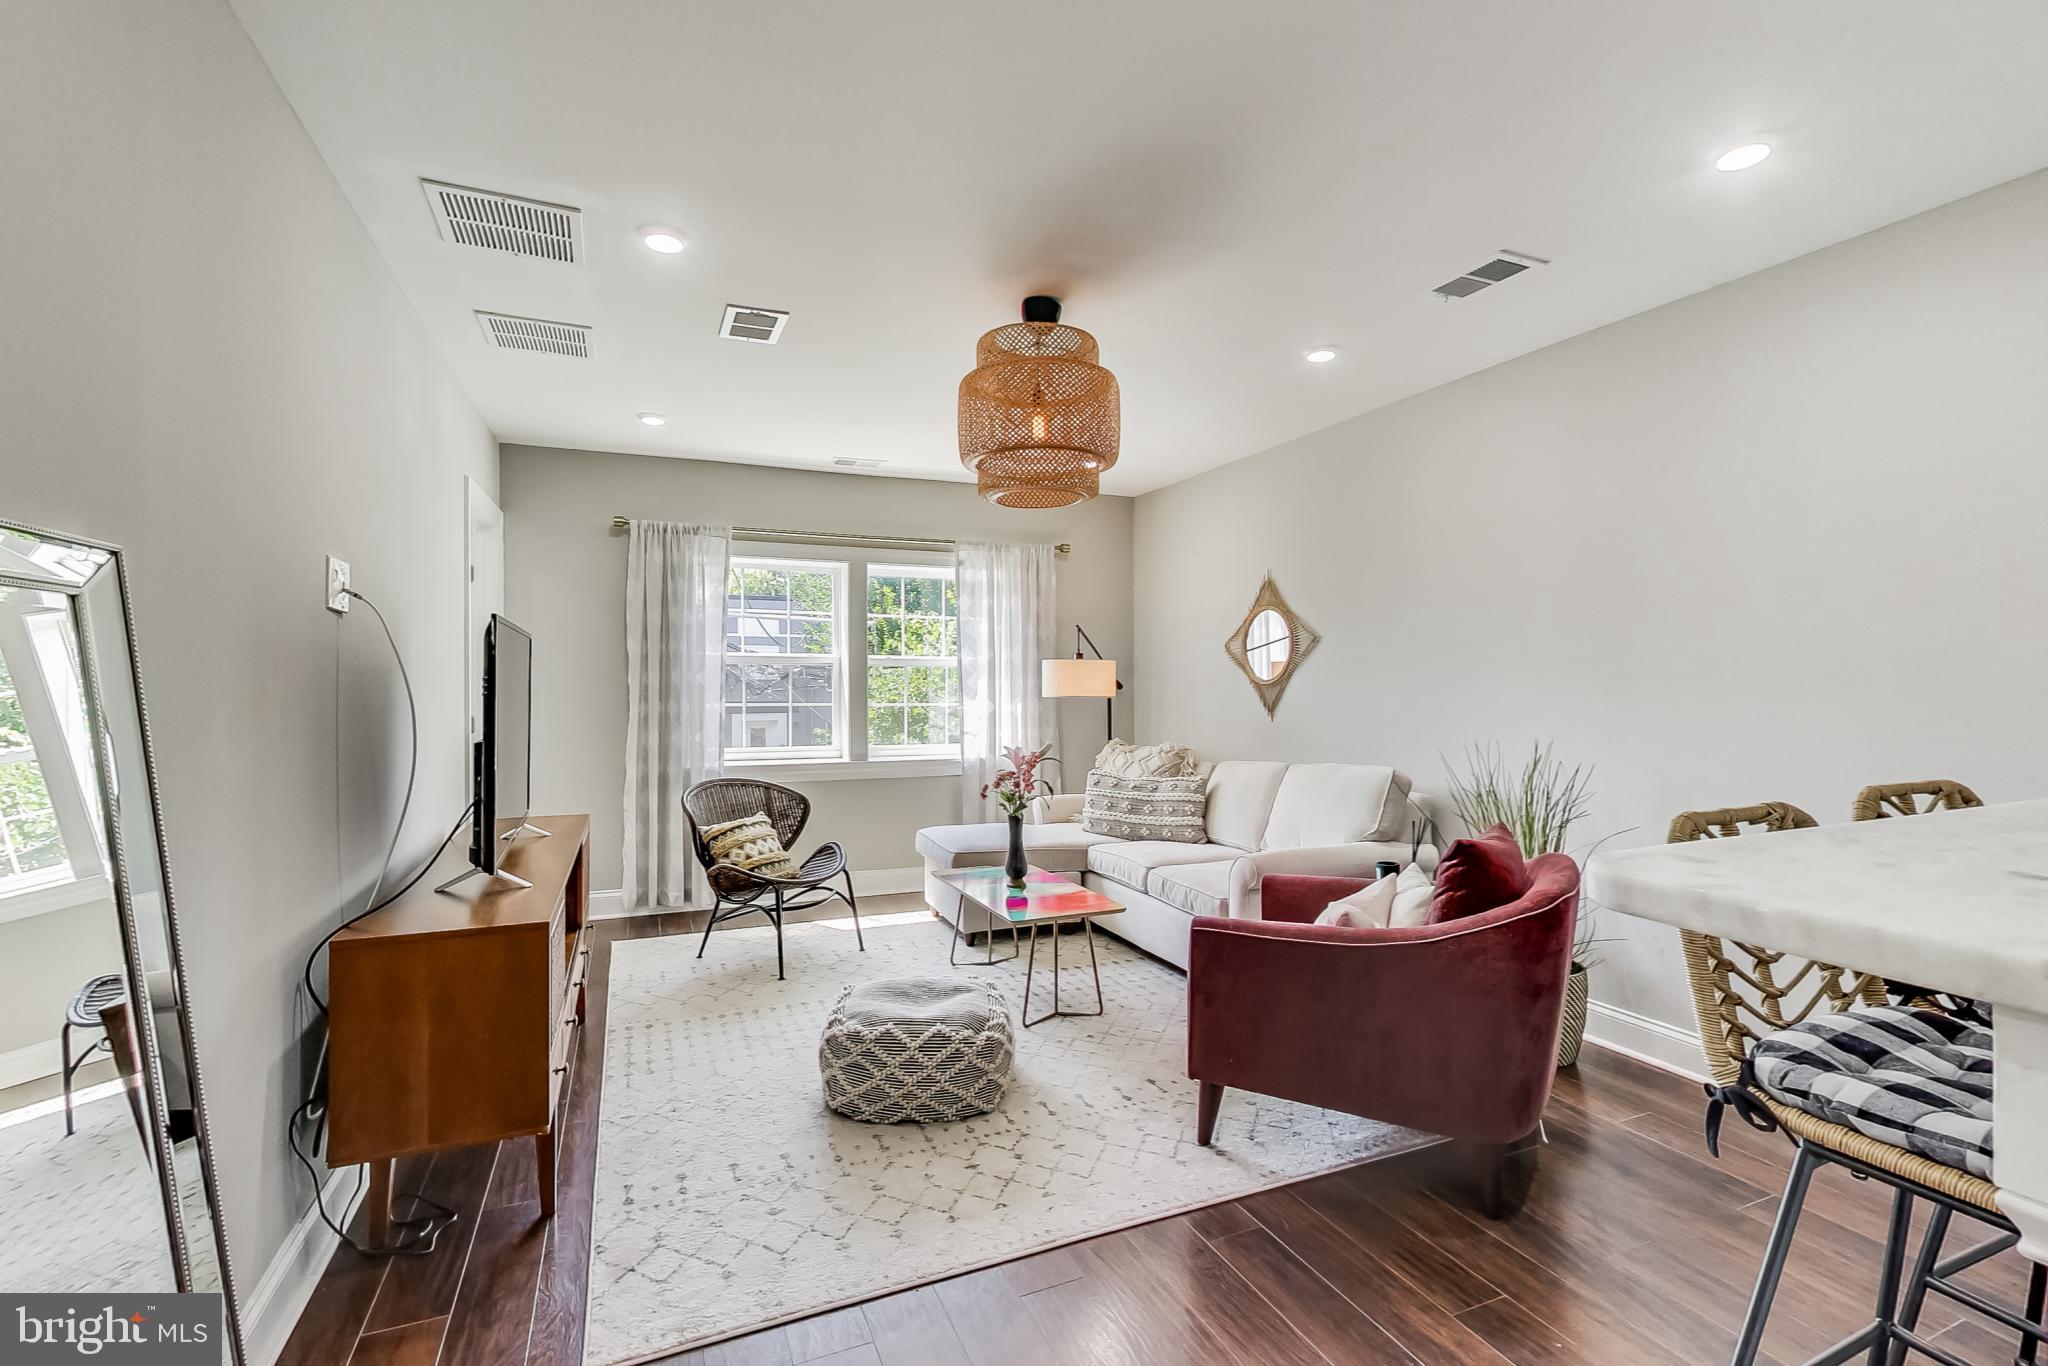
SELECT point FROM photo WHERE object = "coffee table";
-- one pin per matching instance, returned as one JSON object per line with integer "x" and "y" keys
{"x": 1045, "y": 899}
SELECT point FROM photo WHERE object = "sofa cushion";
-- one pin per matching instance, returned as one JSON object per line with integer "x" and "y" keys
{"x": 1479, "y": 875}
{"x": 1202, "y": 888}
{"x": 1337, "y": 804}
{"x": 1061, "y": 848}
{"x": 1145, "y": 808}
{"x": 1131, "y": 861}
{"x": 1240, "y": 799}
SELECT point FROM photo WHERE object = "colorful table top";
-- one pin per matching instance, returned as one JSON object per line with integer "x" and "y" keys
{"x": 1043, "y": 897}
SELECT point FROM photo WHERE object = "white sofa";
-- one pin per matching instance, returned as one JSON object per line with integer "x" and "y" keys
{"x": 1334, "y": 820}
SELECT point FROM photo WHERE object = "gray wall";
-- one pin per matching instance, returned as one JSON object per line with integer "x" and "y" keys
{"x": 203, "y": 359}
{"x": 565, "y": 581}
{"x": 1774, "y": 541}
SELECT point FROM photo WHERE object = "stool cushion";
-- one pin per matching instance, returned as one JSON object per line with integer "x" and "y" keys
{"x": 923, "y": 1049}
{"x": 1916, "y": 1079}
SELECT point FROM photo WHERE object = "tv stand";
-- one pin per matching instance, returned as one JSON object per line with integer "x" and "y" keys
{"x": 525, "y": 828}
{"x": 454, "y": 1015}
{"x": 472, "y": 871}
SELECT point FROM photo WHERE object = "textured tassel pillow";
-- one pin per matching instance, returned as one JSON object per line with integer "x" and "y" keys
{"x": 1147, "y": 808}
{"x": 751, "y": 845}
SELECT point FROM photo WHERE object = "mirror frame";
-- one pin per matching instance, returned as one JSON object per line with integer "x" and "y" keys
{"x": 92, "y": 672}
{"x": 1301, "y": 638}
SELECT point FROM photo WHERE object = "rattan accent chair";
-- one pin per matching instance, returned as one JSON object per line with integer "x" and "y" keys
{"x": 740, "y": 892}
{"x": 1882, "y": 800}
{"x": 1742, "y": 992}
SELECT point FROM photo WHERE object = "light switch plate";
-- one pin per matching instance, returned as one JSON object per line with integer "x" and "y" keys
{"x": 337, "y": 585}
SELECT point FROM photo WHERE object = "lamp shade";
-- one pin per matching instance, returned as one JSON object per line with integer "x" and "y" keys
{"x": 1077, "y": 678}
{"x": 1040, "y": 419}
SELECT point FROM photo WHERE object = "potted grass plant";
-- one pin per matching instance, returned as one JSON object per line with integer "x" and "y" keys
{"x": 1539, "y": 801}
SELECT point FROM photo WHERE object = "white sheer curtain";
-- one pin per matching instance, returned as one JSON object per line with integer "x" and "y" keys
{"x": 1006, "y": 627}
{"x": 675, "y": 653}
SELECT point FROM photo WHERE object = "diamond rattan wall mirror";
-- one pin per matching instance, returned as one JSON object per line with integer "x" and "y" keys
{"x": 1269, "y": 644}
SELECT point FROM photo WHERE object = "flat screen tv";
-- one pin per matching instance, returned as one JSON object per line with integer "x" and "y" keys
{"x": 503, "y": 774}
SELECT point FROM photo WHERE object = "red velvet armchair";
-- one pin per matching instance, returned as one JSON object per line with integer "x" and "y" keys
{"x": 1449, "y": 1027}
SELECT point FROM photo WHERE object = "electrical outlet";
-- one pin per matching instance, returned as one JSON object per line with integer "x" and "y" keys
{"x": 337, "y": 585}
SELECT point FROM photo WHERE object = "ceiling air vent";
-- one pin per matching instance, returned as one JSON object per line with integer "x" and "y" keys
{"x": 848, "y": 462}
{"x": 504, "y": 222}
{"x": 536, "y": 334}
{"x": 1505, "y": 266}
{"x": 762, "y": 325}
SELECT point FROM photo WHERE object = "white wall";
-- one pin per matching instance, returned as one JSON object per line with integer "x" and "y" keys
{"x": 203, "y": 359}
{"x": 565, "y": 581}
{"x": 1774, "y": 541}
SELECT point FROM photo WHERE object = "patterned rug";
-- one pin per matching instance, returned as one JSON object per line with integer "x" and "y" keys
{"x": 729, "y": 1199}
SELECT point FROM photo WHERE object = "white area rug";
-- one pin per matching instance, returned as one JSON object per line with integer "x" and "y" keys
{"x": 83, "y": 1212}
{"x": 728, "y": 1198}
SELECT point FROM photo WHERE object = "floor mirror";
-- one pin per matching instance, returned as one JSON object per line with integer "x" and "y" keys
{"x": 104, "y": 1156}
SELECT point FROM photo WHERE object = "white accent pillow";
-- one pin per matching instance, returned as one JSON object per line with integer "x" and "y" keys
{"x": 1122, "y": 759}
{"x": 1366, "y": 909}
{"x": 1413, "y": 892}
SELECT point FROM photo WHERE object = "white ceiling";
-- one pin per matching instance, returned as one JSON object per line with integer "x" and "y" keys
{"x": 1213, "y": 186}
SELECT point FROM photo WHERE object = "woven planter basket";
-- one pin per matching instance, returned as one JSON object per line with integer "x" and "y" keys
{"x": 1573, "y": 1033}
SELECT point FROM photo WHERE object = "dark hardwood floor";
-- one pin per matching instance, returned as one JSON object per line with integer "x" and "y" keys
{"x": 1632, "y": 1246}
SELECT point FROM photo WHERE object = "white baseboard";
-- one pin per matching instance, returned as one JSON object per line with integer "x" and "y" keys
{"x": 1646, "y": 1040}
{"x": 866, "y": 882}
{"x": 888, "y": 881}
{"x": 36, "y": 1060}
{"x": 272, "y": 1310}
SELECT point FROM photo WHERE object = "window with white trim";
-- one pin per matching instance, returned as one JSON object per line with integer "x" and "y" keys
{"x": 838, "y": 661}
{"x": 48, "y": 837}
{"x": 913, "y": 672}
{"x": 785, "y": 675}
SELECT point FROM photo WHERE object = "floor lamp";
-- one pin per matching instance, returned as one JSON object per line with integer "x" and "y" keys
{"x": 1083, "y": 677}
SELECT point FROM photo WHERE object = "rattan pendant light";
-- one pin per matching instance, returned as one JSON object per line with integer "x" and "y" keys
{"x": 1038, "y": 415}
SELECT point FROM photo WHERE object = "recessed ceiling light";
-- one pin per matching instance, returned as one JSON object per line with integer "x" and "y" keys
{"x": 667, "y": 241}
{"x": 1322, "y": 355}
{"x": 1743, "y": 157}
{"x": 653, "y": 419}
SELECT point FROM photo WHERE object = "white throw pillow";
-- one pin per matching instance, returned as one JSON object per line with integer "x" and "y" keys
{"x": 1122, "y": 759}
{"x": 1413, "y": 892}
{"x": 1367, "y": 909}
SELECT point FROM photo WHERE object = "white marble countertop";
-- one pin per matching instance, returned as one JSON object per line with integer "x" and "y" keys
{"x": 1954, "y": 900}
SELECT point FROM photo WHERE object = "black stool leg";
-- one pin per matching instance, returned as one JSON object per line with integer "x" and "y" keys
{"x": 777, "y": 918}
{"x": 1768, "y": 1275}
{"x": 1888, "y": 1280}
{"x": 2037, "y": 1304}
{"x": 1923, "y": 1267}
{"x": 854, "y": 906}
{"x": 69, "y": 1067}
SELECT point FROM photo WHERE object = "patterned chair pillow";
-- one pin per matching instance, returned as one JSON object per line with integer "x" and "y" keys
{"x": 1146, "y": 808}
{"x": 751, "y": 845}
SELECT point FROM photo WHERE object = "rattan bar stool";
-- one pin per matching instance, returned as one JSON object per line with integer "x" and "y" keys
{"x": 740, "y": 892}
{"x": 1882, "y": 800}
{"x": 1741, "y": 993}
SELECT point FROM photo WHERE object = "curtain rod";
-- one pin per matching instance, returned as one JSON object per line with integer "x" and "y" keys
{"x": 784, "y": 534}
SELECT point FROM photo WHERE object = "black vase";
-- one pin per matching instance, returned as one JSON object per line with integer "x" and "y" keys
{"x": 1015, "y": 866}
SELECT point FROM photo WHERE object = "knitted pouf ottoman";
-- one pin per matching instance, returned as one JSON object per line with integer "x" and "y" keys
{"x": 922, "y": 1049}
